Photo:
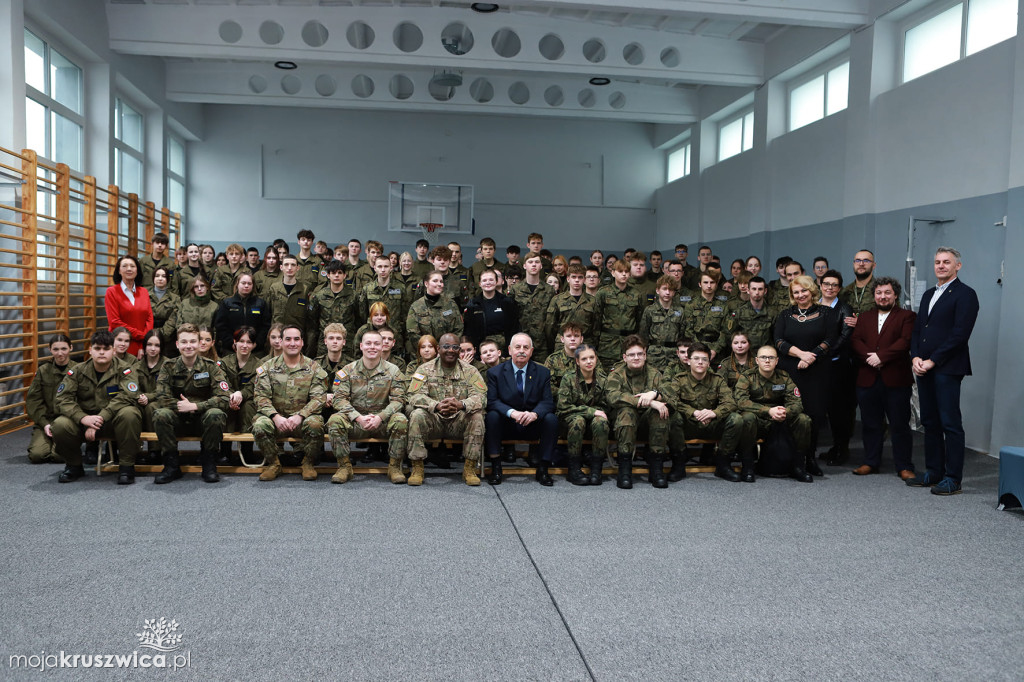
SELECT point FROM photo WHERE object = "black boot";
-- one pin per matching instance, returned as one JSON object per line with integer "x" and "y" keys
{"x": 811, "y": 466}
{"x": 209, "y": 462}
{"x": 225, "y": 453}
{"x": 92, "y": 453}
{"x": 495, "y": 477}
{"x": 542, "y": 476}
{"x": 172, "y": 469}
{"x": 71, "y": 473}
{"x": 840, "y": 456}
{"x": 576, "y": 475}
{"x": 723, "y": 469}
{"x": 799, "y": 474}
{"x": 678, "y": 470}
{"x": 747, "y": 472}
{"x": 596, "y": 463}
{"x": 125, "y": 475}
{"x": 625, "y": 480}
{"x": 656, "y": 470}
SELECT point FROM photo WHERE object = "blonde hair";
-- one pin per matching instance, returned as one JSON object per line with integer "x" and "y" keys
{"x": 807, "y": 282}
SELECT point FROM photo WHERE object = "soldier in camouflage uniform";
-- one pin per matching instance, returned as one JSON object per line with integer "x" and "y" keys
{"x": 448, "y": 397}
{"x": 706, "y": 406}
{"x": 40, "y": 405}
{"x": 227, "y": 275}
{"x": 157, "y": 259}
{"x": 369, "y": 395}
{"x": 617, "y": 312}
{"x": 533, "y": 296}
{"x": 573, "y": 305}
{"x": 662, "y": 324}
{"x": 564, "y": 359}
{"x": 768, "y": 396}
{"x": 754, "y": 317}
{"x": 334, "y": 303}
{"x": 240, "y": 369}
{"x": 435, "y": 314}
{"x": 778, "y": 297}
{"x": 582, "y": 406}
{"x": 388, "y": 338}
{"x": 293, "y": 385}
{"x": 289, "y": 298}
{"x": 639, "y": 281}
{"x": 706, "y": 317}
{"x": 737, "y": 362}
{"x": 192, "y": 395}
{"x": 386, "y": 289}
{"x": 634, "y": 393}
{"x": 98, "y": 398}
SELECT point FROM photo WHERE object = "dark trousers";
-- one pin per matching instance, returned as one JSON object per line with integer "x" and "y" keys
{"x": 878, "y": 403}
{"x": 499, "y": 427}
{"x": 842, "y": 406}
{"x": 943, "y": 424}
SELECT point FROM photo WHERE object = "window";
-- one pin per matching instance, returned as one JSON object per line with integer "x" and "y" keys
{"x": 53, "y": 104}
{"x": 128, "y": 148}
{"x": 679, "y": 163}
{"x": 954, "y": 32}
{"x": 175, "y": 176}
{"x": 821, "y": 96}
{"x": 736, "y": 135}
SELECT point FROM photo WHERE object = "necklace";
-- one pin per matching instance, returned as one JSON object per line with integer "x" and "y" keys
{"x": 802, "y": 314}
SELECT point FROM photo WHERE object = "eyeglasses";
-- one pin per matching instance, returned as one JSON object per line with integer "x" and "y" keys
{"x": 636, "y": 355}
{"x": 830, "y": 285}
{"x": 767, "y": 358}
{"x": 450, "y": 346}
{"x": 861, "y": 261}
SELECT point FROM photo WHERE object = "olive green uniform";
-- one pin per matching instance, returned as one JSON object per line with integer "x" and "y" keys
{"x": 777, "y": 295}
{"x": 327, "y": 307}
{"x": 706, "y": 322}
{"x": 114, "y": 396}
{"x": 730, "y": 370}
{"x": 204, "y": 384}
{"x": 41, "y": 408}
{"x": 149, "y": 266}
{"x": 289, "y": 308}
{"x": 164, "y": 309}
{"x": 860, "y": 299}
{"x": 241, "y": 379}
{"x": 622, "y": 386}
{"x": 181, "y": 282}
{"x": 226, "y": 280}
{"x": 430, "y": 384}
{"x": 646, "y": 288}
{"x": 565, "y": 308}
{"x": 662, "y": 328}
{"x": 616, "y": 315}
{"x": 457, "y": 286}
{"x": 263, "y": 280}
{"x": 395, "y": 296}
{"x": 431, "y": 317}
{"x": 758, "y": 325}
{"x": 576, "y": 404}
{"x": 289, "y": 391}
{"x": 756, "y": 395}
{"x": 533, "y": 305}
{"x": 147, "y": 386}
{"x": 193, "y": 310}
{"x": 399, "y": 339}
{"x": 361, "y": 391}
{"x": 686, "y": 395}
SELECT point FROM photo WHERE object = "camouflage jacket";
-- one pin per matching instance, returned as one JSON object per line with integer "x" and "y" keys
{"x": 623, "y": 385}
{"x": 287, "y": 391}
{"x": 431, "y": 317}
{"x": 431, "y": 383}
{"x": 756, "y": 394}
{"x": 205, "y": 384}
{"x": 576, "y": 398}
{"x": 360, "y": 391}
{"x": 686, "y": 394}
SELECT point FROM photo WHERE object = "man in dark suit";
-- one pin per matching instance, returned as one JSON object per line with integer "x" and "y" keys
{"x": 880, "y": 344}
{"x": 520, "y": 406}
{"x": 941, "y": 360}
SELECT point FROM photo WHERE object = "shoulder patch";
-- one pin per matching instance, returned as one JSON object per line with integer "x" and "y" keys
{"x": 420, "y": 376}
{"x": 796, "y": 392}
{"x": 219, "y": 363}
{"x": 260, "y": 370}
{"x": 126, "y": 372}
{"x": 71, "y": 372}
{"x": 340, "y": 374}
{"x": 132, "y": 386}
{"x": 60, "y": 388}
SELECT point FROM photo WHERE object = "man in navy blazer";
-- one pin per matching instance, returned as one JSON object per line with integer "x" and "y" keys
{"x": 520, "y": 406}
{"x": 880, "y": 344}
{"x": 941, "y": 360}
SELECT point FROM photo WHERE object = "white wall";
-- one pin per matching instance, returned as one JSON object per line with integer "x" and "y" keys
{"x": 573, "y": 181}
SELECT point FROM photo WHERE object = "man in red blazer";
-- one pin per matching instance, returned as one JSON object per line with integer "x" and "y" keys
{"x": 881, "y": 347}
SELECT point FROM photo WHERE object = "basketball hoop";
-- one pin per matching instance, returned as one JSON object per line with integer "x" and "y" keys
{"x": 430, "y": 232}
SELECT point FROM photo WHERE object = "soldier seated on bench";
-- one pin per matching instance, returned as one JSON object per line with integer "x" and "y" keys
{"x": 97, "y": 399}
{"x": 192, "y": 394}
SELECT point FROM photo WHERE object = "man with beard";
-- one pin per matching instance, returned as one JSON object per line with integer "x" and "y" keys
{"x": 857, "y": 294}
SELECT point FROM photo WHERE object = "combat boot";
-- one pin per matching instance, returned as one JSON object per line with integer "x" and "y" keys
{"x": 576, "y": 475}
{"x": 542, "y": 476}
{"x": 272, "y": 469}
{"x": 308, "y": 470}
{"x": 625, "y": 479}
{"x": 596, "y": 462}
{"x": 395, "y": 474}
{"x": 209, "y": 462}
{"x": 723, "y": 469}
{"x": 656, "y": 470}
{"x": 678, "y": 470}
{"x": 71, "y": 473}
{"x": 811, "y": 466}
{"x": 172, "y": 469}
{"x": 344, "y": 472}
{"x": 416, "y": 477}
{"x": 125, "y": 475}
{"x": 469, "y": 472}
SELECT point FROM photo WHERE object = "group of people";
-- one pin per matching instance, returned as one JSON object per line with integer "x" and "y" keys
{"x": 412, "y": 348}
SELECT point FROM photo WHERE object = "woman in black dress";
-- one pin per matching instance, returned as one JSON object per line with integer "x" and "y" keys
{"x": 806, "y": 334}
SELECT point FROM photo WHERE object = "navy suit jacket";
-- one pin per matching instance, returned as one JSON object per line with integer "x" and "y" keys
{"x": 942, "y": 335}
{"x": 503, "y": 394}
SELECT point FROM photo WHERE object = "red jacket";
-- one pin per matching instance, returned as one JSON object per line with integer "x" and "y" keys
{"x": 137, "y": 319}
{"x": 892, "y": 345}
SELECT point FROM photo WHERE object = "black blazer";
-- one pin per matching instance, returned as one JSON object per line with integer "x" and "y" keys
{"x": 942, "y": 335}
{"x": 503, "y": 395}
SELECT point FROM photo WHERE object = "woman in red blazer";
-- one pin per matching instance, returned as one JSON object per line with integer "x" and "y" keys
{"x": 127, "y": 304}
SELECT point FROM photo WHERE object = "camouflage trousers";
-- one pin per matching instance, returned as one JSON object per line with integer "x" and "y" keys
{"x": 42, "y": 448}
{"x": 426, "y": 425}
{"x": 799, "y": 425}
{"x": 341, "y": 431}
{"x": 577, "y": 428}
{"x": 125, "y": 428}
{"x": 311, "y": 431}
{"x": 733, "y": 432}
{"x": 169, "y": 424}
{"x": 240, "y": 420}
{"x": 631, "y": 422}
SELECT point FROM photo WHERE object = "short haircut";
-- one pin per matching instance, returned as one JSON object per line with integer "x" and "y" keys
{"x": 835, "y": 274}
{"x": 454, "y": 243}
{"x": 440, "y": 251}
{"x": 252, "y": 249}
{"x": 532, "y": 256}
{"x": 422, "y": 242}
{"x": 744, "y": 277}
{"x": 757, "y": 279}
{"x": 305, "y": 234}
{"x": 781, "y": 261}
{"x": 683, "y": 342}
{"x": 288, "y": 326}
{"x": 187, "y": 328}
{"x": 633, "y": 340}
{"x": 620, "y": 266}
{"x": 571, "y": 327}
{"x": 513, "y": 249}
{"x": 820, "y": 259}
{"x": 102, "y": 338}
{"x": 515, "y": 271}
{"x": 702, "y": 247}
{"x": 576, "y": 269}
{"x": 235, "y": 248}
{"x": 486, "y": 271}
{"x": 682, "y": 247}
{"x": 161, "y": 238}
{"x": 244, "y": 330}
{"x": 942, "y": 249}
{"x": 591, "y": 268}
{"x": 386, "y": 328}
{"x": 891, "y": 281}
{"x": 796, "y": 263}
{"x": 534, "y": 236}
{"x": 374, "y": 244}
{"x": 355, "y": 240}
{"x": 368, "y": 332}
{"x": 487, "y": 241}
{"x": 335, "y": 328}
{"x": 639, "y": 255}
{"x": 655, "y": 253}
{"x": 491, "y": 342}
{"x": 698, "y": 347}
{"x": 289, "y": 256}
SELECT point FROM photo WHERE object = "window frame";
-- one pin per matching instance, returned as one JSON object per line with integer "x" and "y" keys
{"x": 823, "y": 69}
{"x": 50, "y": 104}
{"x": 121, "y": 147}
{"x": 170, "y": 175}
{"x": 739, "y": 115}
{"x": 686, "y": 145}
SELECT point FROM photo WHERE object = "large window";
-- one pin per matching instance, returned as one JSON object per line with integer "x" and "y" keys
{"x": 952, "y": 32}
{"x": 679, "y": 163}
{"x": 736, "y": 135}
{"x": 53, "y": 103}
{"x": 129, "y": 160}
{"x": 176, "y": 176}
{"x": 822, "y": 95}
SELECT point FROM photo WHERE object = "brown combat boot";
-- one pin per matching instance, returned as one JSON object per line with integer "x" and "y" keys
{"x": 344, "y": 472}
{"x": 308, "y": 470}
{"x": 469, "y": 469}
{"x": 395, "y": 474}
{"x": 271, "y": 470}
{"x": 416, "y": 477}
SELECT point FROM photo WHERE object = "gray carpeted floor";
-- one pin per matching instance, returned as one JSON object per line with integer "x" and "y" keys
{"x": 845, "y": 578}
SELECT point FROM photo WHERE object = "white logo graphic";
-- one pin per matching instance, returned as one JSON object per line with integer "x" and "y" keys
{"x": 161, "y": 635}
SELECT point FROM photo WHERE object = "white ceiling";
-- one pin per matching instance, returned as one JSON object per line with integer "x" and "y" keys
{"x": 527, "y": 58}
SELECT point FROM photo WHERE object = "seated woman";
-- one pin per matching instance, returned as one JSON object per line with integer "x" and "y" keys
{"x": 240, "y": 369}
{"x": 197, "y": 308}
{"x": 206, "y": 344}
{"x": 739, "y": 360}
{"x": 39, "y": 401}
{"x": 582, "y": 406}
{"x": 379, "y": 318}
{"x": 122, "y": 344}
{"x": 148, "y": 370}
